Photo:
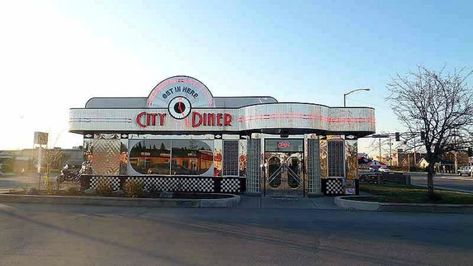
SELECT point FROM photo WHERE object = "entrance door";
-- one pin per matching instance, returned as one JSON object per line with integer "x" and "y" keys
{"x": 284, "y": 175}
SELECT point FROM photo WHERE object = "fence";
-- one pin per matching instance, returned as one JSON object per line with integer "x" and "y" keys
{"x": 385, "y": 178}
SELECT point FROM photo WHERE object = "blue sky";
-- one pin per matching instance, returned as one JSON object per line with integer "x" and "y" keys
{"x": 310, "y": 51}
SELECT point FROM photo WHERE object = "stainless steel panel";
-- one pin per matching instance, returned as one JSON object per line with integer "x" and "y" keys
{"x": 323, "y": 148}
{"x": 106, "y": 155}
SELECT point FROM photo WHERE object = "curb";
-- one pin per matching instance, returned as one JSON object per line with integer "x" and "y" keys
{"x": 230, "y": 202}
{"x": 401, "y": 207}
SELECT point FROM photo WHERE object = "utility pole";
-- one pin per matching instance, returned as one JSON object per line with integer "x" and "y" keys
{"x": 40, "y": 162}
{"x": 408, "y": 163}
{"x": 379, "y": 137}
{"x": 380, "y": 158}
{"x": 456, "y": 161}
{"x": 415, "y": 159}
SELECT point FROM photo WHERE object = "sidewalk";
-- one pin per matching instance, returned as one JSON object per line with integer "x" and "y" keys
{"x": 256, "y": 202}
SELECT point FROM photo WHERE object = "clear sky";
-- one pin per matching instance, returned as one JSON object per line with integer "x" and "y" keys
{"x": 55, "y": 55}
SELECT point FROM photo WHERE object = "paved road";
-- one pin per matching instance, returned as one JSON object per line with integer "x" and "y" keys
{"x": 454, "y": 182}
{"x": 87, "y": 235}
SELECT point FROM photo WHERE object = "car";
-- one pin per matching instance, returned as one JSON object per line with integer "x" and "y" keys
{"x": 373, "y": 169}
{"x": 386, "y": 170}
{"x": 465, "y": 170}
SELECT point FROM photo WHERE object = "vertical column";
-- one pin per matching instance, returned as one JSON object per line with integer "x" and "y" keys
{"x": 218, "y": 157}
{"x": 351, "y": 160}
{"x": 323, "y": 151}
{"x": 242, "y": 157}
{"x": 313, "y": 167}
{"x": 253, "y": 176}
{"x": 123, "y": 154}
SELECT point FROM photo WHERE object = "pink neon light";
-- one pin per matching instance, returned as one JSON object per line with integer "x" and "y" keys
{"x": 307, "y": 117}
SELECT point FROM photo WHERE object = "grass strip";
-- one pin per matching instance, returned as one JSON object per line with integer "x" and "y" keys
{"x": 413, "y": 194}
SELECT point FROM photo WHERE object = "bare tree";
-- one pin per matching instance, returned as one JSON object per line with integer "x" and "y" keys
{"x": 440, "y": 105}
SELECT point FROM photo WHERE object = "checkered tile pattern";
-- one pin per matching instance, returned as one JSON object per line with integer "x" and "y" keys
{"x": 184, "y": 184}
{"x": 334, "y": 187}
{"x": 230, "y": 185}
{"x": 96, "y": 181}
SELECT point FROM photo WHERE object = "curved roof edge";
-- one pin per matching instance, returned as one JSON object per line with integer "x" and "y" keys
{"x": 140, "y": 102}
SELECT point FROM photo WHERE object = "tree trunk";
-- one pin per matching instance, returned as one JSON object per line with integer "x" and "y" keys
{"x": 430, "y": 180}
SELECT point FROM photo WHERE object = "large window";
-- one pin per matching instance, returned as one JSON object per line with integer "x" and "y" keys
{"x": 172, "y": 157}
{"x": 336, "y": 158}
{"x": 230, "y": 157}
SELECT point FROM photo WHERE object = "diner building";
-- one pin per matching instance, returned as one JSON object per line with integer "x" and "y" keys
{"x": 182, "y": 138}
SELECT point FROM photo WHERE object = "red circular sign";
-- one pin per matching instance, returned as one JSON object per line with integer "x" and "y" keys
{"x": 283, "y": 144}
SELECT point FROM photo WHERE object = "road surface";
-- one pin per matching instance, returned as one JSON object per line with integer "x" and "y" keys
{"x": 446, "y": 181}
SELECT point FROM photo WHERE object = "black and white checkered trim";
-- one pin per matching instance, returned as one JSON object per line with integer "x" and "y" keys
{"x": 97, "y": 181}
{"x": 334, "y": 187}
{"x": 231, "y": 185}
{"x": 186, "y": 184}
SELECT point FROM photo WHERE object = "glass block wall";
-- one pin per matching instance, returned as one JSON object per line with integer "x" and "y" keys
{"x": 313, "y": 166}
{"x": 254, "y": 169}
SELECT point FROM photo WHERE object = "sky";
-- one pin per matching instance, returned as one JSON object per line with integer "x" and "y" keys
{"x": 55, "y": 55}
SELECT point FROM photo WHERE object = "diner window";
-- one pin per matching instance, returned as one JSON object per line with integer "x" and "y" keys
{"x": 172, "y": 157}
{"x": 151, "y": 157}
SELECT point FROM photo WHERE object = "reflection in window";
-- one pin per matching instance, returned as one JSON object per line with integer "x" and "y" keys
{"x": 175, "y": 157}
{"x": 190, "y": 157}
{"x": 151, "y": 156}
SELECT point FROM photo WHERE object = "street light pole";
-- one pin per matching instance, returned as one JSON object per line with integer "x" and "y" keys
{"x": 352, "y": 91}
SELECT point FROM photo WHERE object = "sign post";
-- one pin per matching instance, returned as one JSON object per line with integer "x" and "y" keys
{"x": 40, "y": 139}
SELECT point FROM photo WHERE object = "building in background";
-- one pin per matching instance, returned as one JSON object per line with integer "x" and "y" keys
{"x": 25, "y": 160}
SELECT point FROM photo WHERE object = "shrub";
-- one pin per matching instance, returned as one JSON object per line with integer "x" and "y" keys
{"x": 104, "y": 188}
{"x": 133, "y": 189}
{"x": 153, "y": 191}
{"x": 33, "y": 191}
{"x": 73, "y": 191}
{"x": 50, "y": 187}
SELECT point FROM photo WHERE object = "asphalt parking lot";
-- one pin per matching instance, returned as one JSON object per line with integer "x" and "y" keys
{"x": 43, "y": 234}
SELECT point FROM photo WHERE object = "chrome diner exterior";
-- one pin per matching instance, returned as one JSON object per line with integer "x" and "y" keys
{"x": 182, "y": 138}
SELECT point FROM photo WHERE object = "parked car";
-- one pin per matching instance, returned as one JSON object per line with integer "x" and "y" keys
{"x": 465, "y": 170}
{"x": 386, "y": 170}
{"x": 379, "y": 169}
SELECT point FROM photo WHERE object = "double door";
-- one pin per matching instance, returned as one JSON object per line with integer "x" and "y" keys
{"x": 284, "y": 174}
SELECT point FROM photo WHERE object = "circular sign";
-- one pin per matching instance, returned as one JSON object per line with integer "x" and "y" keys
{"x": 194, "y": 90}
{"x": 283, "y": 144}
{"x": 179, "y": 107}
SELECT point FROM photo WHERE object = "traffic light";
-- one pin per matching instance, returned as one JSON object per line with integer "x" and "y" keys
{"x": 422, "y": 135}
{"x": 397, "y": 135}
